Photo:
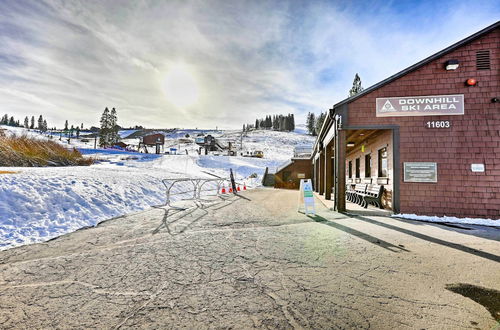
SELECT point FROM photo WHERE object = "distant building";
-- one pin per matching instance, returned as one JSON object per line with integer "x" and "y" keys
{"x": 118, "y": 144}
{"x": 288, "y": 175}
{"x": 153, "y": 139}
{"x": 303, "y": 151}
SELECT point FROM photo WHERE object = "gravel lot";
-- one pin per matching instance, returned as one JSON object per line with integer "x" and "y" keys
{"x": 255, "y": 264}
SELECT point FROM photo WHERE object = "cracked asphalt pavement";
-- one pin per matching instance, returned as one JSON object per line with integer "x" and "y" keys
{"x": 252, "y": 264}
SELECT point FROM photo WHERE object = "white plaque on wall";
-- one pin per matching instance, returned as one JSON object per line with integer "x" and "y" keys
{"x": 477, "y": 167}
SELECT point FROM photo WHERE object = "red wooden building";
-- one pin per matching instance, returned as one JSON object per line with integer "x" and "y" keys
{"x": 429, "y": 134}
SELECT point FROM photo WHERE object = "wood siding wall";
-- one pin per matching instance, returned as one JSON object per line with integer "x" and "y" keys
{"x": 473, "y": 137}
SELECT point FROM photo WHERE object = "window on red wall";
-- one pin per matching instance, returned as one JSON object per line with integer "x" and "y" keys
{"x": 368, "y": 166}
{"x": 382, "y": 162}
{"x": 358, "y": 161}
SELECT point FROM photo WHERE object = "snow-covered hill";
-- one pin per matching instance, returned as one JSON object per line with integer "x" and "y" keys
{"x": 37, "y": 204}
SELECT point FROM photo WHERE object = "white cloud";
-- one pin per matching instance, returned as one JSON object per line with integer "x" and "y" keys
{"x": 69, "y": 60}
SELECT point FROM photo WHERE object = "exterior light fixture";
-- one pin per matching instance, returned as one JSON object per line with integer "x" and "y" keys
{"x": 350, "y": 144}
{"x": 471, "y": 82}
{"x": 451, "y": 65}
{"x": 495, "y": 100}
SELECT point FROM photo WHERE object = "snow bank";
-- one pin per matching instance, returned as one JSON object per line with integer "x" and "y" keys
{"x": 465, "y": 221}
{"x": 38, "y": 205}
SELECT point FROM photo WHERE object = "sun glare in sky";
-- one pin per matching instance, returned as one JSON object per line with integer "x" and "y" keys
{"x": 180, "y": 86}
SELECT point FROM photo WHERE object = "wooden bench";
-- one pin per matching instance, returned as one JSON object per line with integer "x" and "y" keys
{"x": 350, "y": 193}
{"x": 372, "y": 195}
{"x": 359, "y": 191}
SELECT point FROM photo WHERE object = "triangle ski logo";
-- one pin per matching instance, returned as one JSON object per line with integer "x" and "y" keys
{"x": 387, "y": 107}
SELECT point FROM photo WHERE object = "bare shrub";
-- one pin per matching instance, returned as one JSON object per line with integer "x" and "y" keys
{"x": 25, "y": 151}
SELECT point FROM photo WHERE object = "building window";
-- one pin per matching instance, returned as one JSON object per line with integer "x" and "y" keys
{"x": 357, "y": 168}
{"x": 350, "y": 169}
{"x": 286, "y": 175}
{"x": 368, "y": 166}
{"x": 382, "y": 163}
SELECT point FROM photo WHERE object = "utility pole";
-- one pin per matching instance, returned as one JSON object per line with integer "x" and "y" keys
{"x": 241, "y": 140}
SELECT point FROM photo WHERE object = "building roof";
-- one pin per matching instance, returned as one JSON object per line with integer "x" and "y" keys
{"x": 421, "y": 63}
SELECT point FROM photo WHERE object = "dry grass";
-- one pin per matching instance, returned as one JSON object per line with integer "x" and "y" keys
{"x": 9, "y": 172}
{"x": 24, "y": 151}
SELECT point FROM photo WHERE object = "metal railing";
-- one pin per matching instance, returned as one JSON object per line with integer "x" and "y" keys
{"x": 198, "y": 188}
{"x": 198, "y": 191}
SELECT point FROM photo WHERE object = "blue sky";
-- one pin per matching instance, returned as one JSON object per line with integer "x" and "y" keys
{"x": 226, "y": 62}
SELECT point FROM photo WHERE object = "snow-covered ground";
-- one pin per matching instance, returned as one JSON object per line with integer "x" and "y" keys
{"x": 37, "y": 204}
{"x": 464, "y": 221}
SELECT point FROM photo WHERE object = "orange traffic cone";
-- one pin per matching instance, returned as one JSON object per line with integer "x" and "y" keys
{"x": 230, "y": 189}
{"x": 238, "y": 188}
{"x": 244, "y": 186}
{"x": 223, "y": 191}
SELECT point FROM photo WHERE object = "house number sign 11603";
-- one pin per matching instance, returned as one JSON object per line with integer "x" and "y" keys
{"x": 438, "y": 124}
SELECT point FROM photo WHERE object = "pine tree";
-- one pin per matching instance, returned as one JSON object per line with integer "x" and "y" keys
{"x": 32, "y": 126}
{"x": 5, "y": 120}
{"x": 12, "y": 122}
{"x": 66, "y": 125}
{"x": 356, "y": 86}
{"x": 114, "y": 128}
{"x": 104, "y": 131}
{"x": 26, "y": 122}
{"x": 256, "y": 124}
{"x": 40, "y": 123}
{"x": 311, "y": 123}
{"x": 44, "y": 128}
{"x": 289, "y": 125}
{"x": 77, "y": 132}
{"x": 319, "y": 122}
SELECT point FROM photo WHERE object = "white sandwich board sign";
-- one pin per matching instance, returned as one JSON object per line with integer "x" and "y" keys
{"x": 306, "y": 196}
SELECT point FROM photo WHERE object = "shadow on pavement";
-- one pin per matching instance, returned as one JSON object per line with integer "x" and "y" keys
{"x": 489, "y": 298}
{"x": 354, "y": 232}
{"x": 431, "y": 239}
{"x": 241, "y": 196}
